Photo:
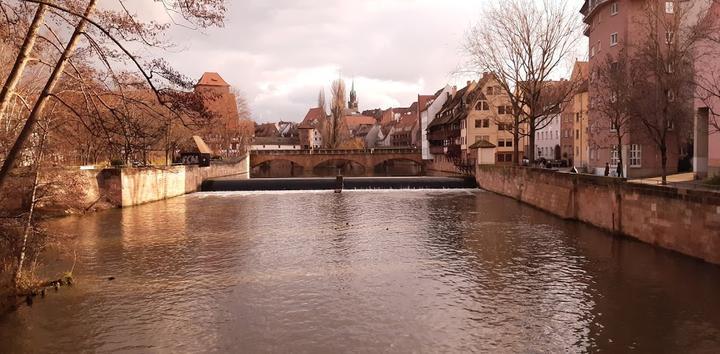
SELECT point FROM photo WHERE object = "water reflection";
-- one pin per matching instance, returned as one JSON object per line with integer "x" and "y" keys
{"x": 397, "y": 271}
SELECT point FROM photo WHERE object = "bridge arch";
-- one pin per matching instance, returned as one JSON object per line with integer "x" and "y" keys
{"x": 279, "y": 168}
{"x": 347, "y": 166}
{"x": 399, "y": 166}
{"x": 365, "y": 161}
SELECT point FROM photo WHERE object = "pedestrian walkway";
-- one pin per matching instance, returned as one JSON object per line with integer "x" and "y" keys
{"x": 680, "y": 180}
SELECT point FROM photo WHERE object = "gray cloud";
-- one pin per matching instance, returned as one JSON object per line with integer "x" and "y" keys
{"x": 280, "y": 52}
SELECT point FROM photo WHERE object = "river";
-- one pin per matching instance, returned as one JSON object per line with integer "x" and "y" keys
{"x": 380, "y": 271}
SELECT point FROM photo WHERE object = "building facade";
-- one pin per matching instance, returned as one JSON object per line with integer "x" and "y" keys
{"x": 428, "y": 113}
{"x": 547, "y": 138}
{"x": 612, "y": 26}
{"x": 580, "y": 129}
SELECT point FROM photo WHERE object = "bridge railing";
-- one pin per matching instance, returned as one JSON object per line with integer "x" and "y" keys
{"x": 376, "y": 151}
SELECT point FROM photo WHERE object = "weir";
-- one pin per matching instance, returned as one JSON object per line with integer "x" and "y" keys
{"x": 231, "y": 184}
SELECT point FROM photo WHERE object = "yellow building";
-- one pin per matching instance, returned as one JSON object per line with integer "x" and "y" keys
{"x": 580, "y": 128}
{"x": 490, "y": 119}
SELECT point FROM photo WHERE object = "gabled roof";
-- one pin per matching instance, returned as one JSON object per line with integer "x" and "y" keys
{"x": 406, "y": 123}
{"x": 482, "y": 144}
{"x": 201, "y": 146}
{"x": 353, "y": 122}
{"x": 313, "y": 117}
{"x": 212, "y": 79}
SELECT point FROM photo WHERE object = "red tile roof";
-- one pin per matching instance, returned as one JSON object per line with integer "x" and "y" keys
{"x": 313, "y": 117}
{"x": 353, "y": 122}
{"x": 212, "y": 79}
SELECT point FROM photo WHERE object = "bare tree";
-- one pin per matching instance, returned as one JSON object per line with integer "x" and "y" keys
{"x": 337, "y": 112}
{"x": 322, "y": 104}
{"x": 616, "y": 78}
{"x": 665, "y": 55}
{"x": 525, "y": 44}
{"x": 109, "y": 35}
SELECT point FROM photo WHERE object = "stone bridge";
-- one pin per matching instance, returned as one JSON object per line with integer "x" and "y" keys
{"x": 309, "y": 160}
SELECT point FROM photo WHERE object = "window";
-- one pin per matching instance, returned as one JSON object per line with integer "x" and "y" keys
{"x": 501, "y": 143}
{"x": 613, "y": 39}
{"x": 577, "y": 117}
{"x": 669, "y": 7}
{"x": 614, "y": 156}
{"x": 504, "y": 110}
{"x": 635, "y": 155}
{"x": 671, "y": 95}
{"x": 502, "y": 126}
{"x": 669, "y": 36}
{"x": 670, "y": 68}
{"x": 509, "y": 143}
{"x": 592, "y": 51}
{"x": 482, "y": 106}
{"x": 613, "y": 9}
{"x": 478, "y": 123}
{"x": 613, "y": 126}
{"x": 577, "y": 134}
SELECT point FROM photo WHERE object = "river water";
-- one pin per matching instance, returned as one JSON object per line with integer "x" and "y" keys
{"x": 380, "y": 271}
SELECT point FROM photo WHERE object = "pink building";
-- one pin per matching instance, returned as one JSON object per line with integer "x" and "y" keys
{"x": 707, "y": 133}
{"x": 611, "y": 25}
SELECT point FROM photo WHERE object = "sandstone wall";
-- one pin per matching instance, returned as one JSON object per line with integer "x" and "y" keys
{"x": 686, "y": 221}
{"x": 140, "y": 186}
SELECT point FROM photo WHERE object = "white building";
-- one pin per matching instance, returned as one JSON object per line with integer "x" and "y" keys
{"x": 427, "y": 114}
{"x": 276, "y": 143}
{"x": 547, "y": 138}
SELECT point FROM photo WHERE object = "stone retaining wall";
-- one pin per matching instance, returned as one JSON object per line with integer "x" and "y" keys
{"x": 686, "y": 221}
{"x": 140, "y": 186}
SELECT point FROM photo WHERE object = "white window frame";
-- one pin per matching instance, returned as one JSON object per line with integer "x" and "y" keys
{"x": 614, "y": 8}
{"x": 613, "y": 39}
{"x": 614, "y": 156}
{"x": 669, "y": 7}
{"x": 635, "y": 158}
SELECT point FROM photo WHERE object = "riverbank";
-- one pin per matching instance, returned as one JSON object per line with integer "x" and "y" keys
{"x": 681, "y": 220}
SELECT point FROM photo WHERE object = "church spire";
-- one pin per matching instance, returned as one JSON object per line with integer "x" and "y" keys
{"x": 353, "y": 103}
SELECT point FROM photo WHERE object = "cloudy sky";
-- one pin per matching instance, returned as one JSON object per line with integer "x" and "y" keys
{"x": 280, "y": 53}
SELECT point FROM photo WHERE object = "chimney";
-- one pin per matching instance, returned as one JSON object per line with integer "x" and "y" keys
{"x": 468, "y": 83}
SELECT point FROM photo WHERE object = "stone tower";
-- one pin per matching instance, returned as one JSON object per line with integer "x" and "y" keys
{"x": 353, "y": 103}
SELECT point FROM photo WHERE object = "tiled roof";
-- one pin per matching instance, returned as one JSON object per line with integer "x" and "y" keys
{"x": 212, "y": 79}
{"x": 406, "y": 123}
{"x": 313, "y": 117}
{"x": 353, "y": 122}
{"x": 482, "y": 144}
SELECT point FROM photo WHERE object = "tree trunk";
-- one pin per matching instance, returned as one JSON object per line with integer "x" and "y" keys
{"x": 44, "y": 96}
{"x": 531, "y": 146}
{"x": 663, "y": 160}
{"x": 29, "y": 222}
{"x": 516, "y": 142}
{"x": 22, "y": 58}
{"x": 620, "y": 169}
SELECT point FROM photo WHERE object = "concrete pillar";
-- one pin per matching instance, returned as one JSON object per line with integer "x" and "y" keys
{"x": 700, "y": 160}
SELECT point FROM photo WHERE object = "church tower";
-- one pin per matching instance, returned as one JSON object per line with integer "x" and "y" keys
{"x": 353, "y": 103}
